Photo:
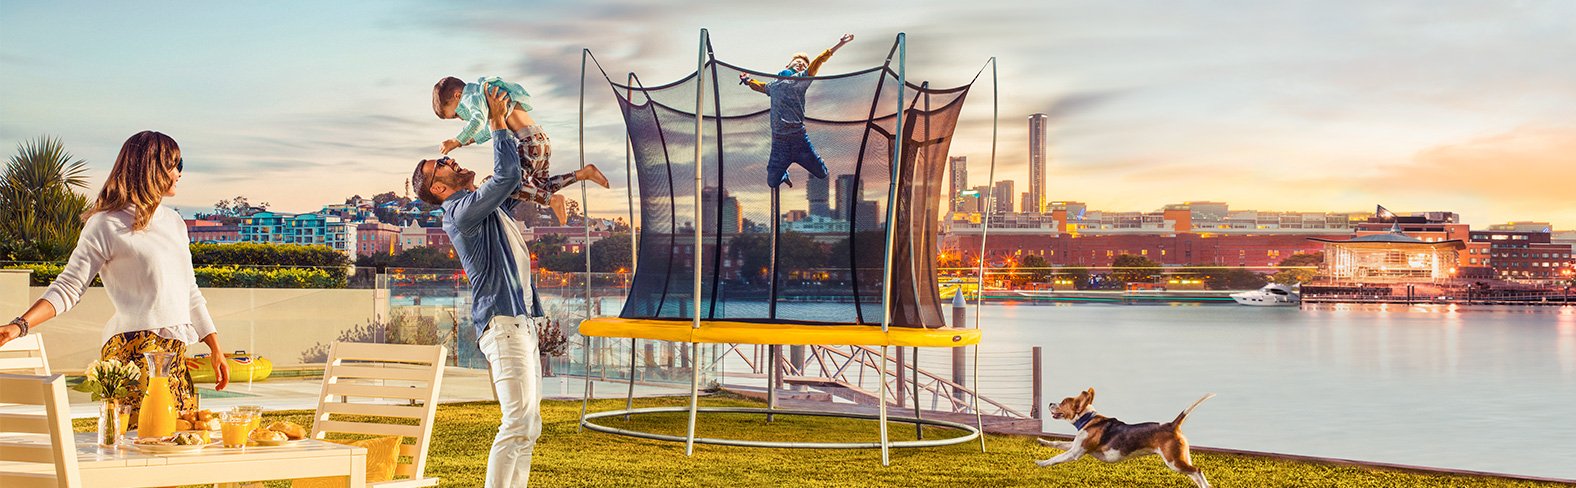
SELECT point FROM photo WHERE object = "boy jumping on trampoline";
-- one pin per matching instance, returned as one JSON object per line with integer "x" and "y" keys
{"x": 456, "y": 99}
{"x": 790, "y": 143}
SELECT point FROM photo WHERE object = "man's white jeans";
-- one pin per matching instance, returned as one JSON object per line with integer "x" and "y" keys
{"x": 510, "y": 347}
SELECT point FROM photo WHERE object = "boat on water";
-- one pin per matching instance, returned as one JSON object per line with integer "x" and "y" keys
{"x": 1271, "y": 295}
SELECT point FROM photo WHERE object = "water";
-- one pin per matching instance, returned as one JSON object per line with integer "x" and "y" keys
{"x": 1478, "y": 388}
{"x": 1489, "y": 388}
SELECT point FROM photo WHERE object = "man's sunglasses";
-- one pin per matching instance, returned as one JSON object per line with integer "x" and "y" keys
{"x": 432, "y": 175}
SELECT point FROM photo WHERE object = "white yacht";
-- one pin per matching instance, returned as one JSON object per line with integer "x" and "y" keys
{"x": 1271, "y": 295}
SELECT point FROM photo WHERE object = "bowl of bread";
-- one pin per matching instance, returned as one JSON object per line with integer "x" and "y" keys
{"x": 181, "y": 442}
{"x": 197, "y": 420}
{"x": 280, "y": 433}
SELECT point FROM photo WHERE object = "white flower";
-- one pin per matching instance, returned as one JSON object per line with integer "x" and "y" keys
{"x": 93, "y": 370}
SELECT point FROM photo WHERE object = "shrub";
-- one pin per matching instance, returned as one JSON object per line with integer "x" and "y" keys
{"x": 45, "y": 273}
{"x": 238, "y": 277}
{"x": 284, "y": 256}
{"x": 400, "y": 329}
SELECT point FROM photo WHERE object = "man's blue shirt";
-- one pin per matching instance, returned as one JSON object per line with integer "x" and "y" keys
{"x": 471, "y": 220}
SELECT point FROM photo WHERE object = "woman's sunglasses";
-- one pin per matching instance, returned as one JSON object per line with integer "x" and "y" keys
{"x": 180, "y": 165}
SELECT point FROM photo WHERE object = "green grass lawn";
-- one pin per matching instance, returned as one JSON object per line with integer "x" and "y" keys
{"x": 566, "y": 456}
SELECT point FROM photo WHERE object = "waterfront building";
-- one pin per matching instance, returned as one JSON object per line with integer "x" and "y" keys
{"x": 1525, "y": 255}
{"x": 1389, "y": 258}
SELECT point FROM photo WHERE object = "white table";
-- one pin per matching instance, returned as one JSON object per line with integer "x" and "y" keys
{"x": 128, "y": 467}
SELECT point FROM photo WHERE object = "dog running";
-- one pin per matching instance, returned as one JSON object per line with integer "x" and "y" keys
{"x": 1111, "y": 440}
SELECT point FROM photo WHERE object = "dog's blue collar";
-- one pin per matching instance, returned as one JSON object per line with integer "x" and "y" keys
{"x": 1083, "y": 420}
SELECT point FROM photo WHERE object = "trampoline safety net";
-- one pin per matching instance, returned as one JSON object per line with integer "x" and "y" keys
{"x": 817, "y": 258}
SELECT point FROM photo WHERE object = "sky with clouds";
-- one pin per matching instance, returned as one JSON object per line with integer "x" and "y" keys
{"x": 1336, "y": 105}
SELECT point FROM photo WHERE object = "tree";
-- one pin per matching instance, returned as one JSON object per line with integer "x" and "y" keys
{"x": 1036, "y": 267}
{"x": 1078, "y": 275}
{"x": 1134, "y": 269}
{"x": 1290, "y": 276}
{"x": 611, "y": 254}
{"x": 416, "y": 257}
{"x": 40, "y": 210}
{"x": 237, "y": 207}
{"x": 1235, "y": 279}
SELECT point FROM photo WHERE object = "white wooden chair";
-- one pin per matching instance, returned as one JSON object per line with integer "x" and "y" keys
{"x": 24, "y": 356}
{"x": 29, "y": 440}
{"x": 384, "y": 380}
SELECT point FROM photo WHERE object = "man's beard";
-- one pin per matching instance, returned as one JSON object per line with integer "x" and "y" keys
{"x": 459, "y": 179}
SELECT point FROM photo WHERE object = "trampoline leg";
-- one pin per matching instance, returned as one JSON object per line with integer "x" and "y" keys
{"x": 886, "y": 459}
{"x": 919, "y": 429}
{"x": 979, "y": 419}
{"x": 585, "y": 396}
{"x": 773, "y": 374}
{"x": 629, "y": 404}
{"x": 689, "y": 440}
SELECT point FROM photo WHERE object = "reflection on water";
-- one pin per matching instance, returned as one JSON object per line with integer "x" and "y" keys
{"x": 1392, "y": 383}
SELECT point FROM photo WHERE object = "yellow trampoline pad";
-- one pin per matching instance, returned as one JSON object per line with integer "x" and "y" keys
{"x": 723, "y": 332}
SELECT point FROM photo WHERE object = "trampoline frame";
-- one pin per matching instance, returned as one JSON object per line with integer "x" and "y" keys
{"x": 885, "y": 443}
{"x": 970, "y": 431}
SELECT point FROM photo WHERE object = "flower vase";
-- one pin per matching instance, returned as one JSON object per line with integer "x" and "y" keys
{"x": 112, "y": 421}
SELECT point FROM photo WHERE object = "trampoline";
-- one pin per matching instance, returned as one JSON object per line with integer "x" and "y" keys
{"x": 724, "y": 257}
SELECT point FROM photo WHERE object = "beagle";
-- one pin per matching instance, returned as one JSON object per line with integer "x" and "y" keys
{"x": 1111, "y": 440}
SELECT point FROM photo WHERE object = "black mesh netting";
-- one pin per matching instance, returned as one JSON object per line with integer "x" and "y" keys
{"x": 818, "y": 258}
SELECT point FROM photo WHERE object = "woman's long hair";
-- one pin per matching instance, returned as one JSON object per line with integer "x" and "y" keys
{"x": 143, "y": 172}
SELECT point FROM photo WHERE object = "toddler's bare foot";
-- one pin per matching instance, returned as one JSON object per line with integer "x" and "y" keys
{"x": 591, "y": 173}
{"x": 560, "y": 209}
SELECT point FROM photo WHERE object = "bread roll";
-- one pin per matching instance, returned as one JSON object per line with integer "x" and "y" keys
{"x": 289, "y": 429}
{"x": 265, "y": 435}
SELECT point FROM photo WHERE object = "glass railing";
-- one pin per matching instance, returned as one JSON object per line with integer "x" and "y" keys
{"x": 289, "y": 332}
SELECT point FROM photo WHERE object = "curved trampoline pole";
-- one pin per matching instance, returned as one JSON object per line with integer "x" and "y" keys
{"x": 700, "y": 104}
{"x": 891, "y": 238}
{"x": 634, "y": 243}
{"x": 979, "y": 302}
{"x": 585, "y": 345}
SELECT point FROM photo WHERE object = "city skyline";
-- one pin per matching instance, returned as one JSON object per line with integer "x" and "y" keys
{"x": 1449, "y": 106}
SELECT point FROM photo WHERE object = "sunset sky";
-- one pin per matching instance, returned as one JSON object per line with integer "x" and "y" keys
{"x": 1468, "y": 106}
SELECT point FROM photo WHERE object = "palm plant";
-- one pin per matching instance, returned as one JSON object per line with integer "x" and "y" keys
{"x": 40, "y": 211}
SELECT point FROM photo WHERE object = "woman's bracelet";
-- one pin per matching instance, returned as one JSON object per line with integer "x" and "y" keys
{"x": 20, "y": 323}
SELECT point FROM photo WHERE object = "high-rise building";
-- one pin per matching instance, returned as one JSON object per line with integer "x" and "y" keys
{"x": 816, "y": 190}
{"x": 848, "y": 194}
{"x": 976, "y": 203}
{"x": 1037, "y": 133}
{"x": 960, "y": 181}
{"x": 731, "y": 221}
{"x": 1003, "y": 196}
{"x": 868, "y": 216}
{"x": 1027, "y": 204}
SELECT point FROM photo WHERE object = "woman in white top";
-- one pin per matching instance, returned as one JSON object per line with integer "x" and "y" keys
{"x": 139, "y": 249}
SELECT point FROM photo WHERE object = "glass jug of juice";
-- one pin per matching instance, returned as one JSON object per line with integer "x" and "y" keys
{"x": 157, "y": 417}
